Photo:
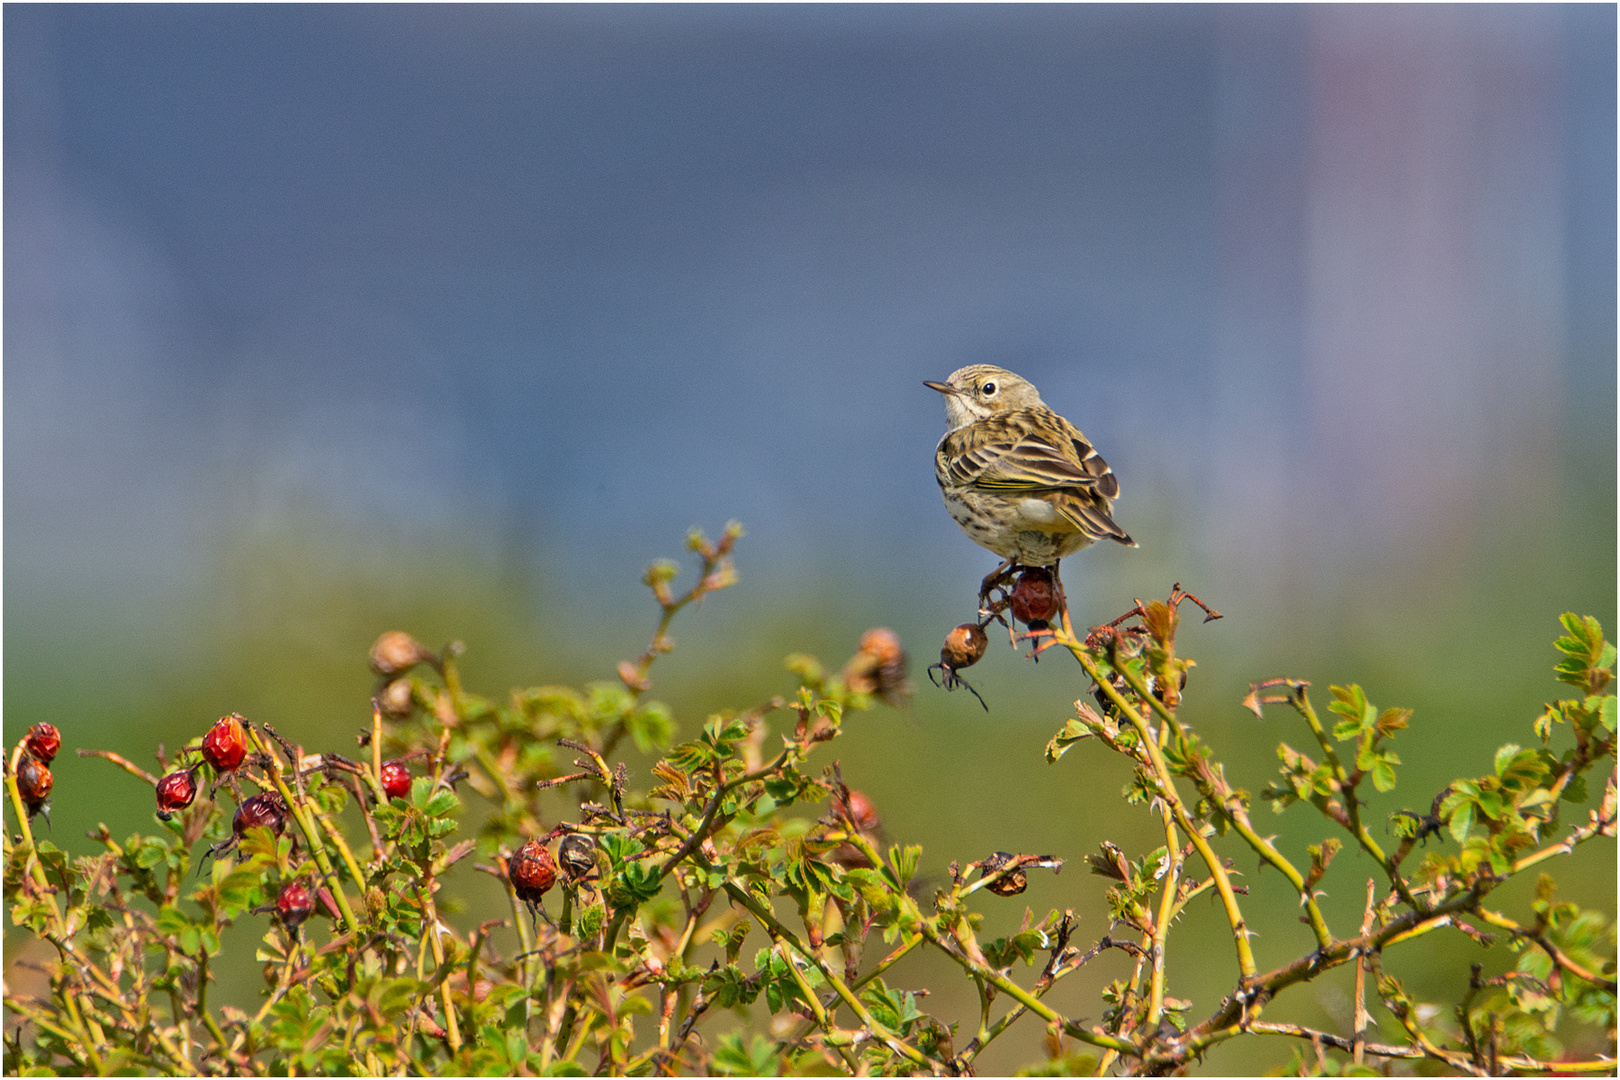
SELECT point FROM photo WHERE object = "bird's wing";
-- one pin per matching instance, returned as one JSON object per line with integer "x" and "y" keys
{"x": 1025, "y": 450}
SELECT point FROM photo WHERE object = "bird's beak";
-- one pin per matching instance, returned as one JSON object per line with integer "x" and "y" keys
{"x": 941, "y": 387}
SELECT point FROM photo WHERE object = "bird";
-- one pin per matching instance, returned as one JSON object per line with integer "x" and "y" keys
{"x": 1018, "y": 478}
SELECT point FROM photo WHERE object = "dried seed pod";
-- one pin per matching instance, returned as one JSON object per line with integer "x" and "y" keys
{"x": 859, "y": 810}
{"x": 963, "y": 646}
{"x": 532, "y": 871}
{"x": 1034, "y": 597}
{"x": 294, "y": 904}
{"x": 396, "y": 652}
{"x": 577, "y": 854}
{"x": 396, "y": 779}
{"x": 395, "y": 699}
{"x": 1010, "y": 884}
{"x": 43, "y": 741}
{"x": 34, "y": 782}
{"x": 226, "y": 744}
{"x": 266, "y": 809}
{"x": 879, "y": 667}
{"x": 175, "y": 792}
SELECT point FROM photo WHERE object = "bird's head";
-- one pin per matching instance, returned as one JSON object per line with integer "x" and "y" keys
{"x": 980, "y": 390}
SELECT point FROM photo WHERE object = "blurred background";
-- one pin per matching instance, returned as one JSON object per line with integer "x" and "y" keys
{"x": 321, "y": 321}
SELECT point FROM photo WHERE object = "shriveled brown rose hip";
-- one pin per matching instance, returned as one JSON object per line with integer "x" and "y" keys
{"x": 577, "y": 854}
{"x": 879, "y": 667}
{"x": 175, "y": 792}
{"x": 532, "y": 871}
{"x": 294, "y": 904}
{"x": 395, "y": 699}
{"x": 34, "y": 782}
{"x": 43, "y": 741}
{"x": 396, "y": 779}
{"x": 396, "y": 652}
{"x": 1009, "y": 884}
{"x": 226, "y": 744}
{"x": 1034, "y": 597}
{"x": 963, "y": 646}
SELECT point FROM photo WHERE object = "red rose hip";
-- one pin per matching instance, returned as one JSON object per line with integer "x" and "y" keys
{"x": 265, "y": 808}
{"x": 859, "y": 810}
{"x": 175, "y": 792}
{"x": 34, "y": 782}
{"x": 43, "y": 741}
{"x": 226, "y": 744}
{"x": 1034, "y": 598}
{"x": 532, "y": 871}
{"x": 396, "y": 779}
{"x": 294, "y": 904}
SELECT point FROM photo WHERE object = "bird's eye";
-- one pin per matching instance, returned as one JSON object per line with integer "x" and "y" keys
{"x": 987, "y": 389}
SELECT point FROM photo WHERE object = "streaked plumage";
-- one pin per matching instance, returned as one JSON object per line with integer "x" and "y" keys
{"x": 1018, "y": 478}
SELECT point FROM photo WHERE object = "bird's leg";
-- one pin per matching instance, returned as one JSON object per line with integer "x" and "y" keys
{"x": 994, "y": 580}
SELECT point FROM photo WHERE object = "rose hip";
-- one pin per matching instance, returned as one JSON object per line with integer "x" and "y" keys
{"x": 34, "y": 782}
{"x": 532, "y": 871}
{"x": 43, "y": 741}
{"x": 294, "y": 904}
{"x": 396, "y": 779}
{"x": 175, "y": 792}
{"x": 1034, "y": 598}
{"x": 225, "y": 746}
{"x": 264, "y": 809}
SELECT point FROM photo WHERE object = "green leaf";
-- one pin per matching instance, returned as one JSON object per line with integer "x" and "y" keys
{"x": 1462, "y": 821}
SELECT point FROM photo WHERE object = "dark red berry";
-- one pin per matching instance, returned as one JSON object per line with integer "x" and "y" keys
{"x": 1034, "y": 598}
{"x": 963, "y": 646}
{"x": 294, "y": 904}
{"x": 396, "y": 779}
{"x": 532, "y": 871}
{"x": 266, "y": 809}
{"x": 226, "y": 744}
{"x": 34, "y": 782}
{"x": 396, "y": 652}
{"x": 859, "y": 810}
{"x": 577, "y": 854}
{"x": 175, "y": 792}
{"x": 43, "y": 741}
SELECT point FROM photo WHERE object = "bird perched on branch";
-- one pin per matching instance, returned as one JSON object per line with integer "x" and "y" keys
{"x": 1018, "y": 478}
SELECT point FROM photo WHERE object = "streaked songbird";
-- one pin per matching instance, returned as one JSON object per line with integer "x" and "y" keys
{"x": 1018, "y": 478}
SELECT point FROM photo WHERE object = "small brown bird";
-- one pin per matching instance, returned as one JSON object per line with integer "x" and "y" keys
{"x": 1018, "y": 478}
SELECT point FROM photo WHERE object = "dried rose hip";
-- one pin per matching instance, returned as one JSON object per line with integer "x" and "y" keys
{"x": 396, "y": 779}
{"x": 175, "y": 792}
{"x": 859, "y": 810}
{"x": 266, "y": 809}
{"x": 395, "y": 699}
{"x": 1034, "y": 597}
{"x": 963, "y": 646}
{"x": 43, "y": 741}
{"x": 879, "y": 667}
{"x": 34, "y": 782}
{"x": 226, "y": 745}
{"x": 532, "y": 871}
{"x": 294, "y": 904}
{"x": 577, "y": 854}
{"x": 1010, "y": 884}
{"x": 396, "y": 652}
